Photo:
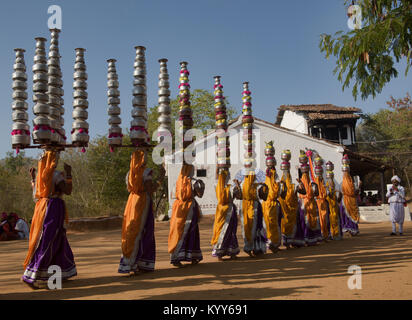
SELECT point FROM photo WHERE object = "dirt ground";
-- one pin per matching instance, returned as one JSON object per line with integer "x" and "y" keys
{"x": 319, "y": 272}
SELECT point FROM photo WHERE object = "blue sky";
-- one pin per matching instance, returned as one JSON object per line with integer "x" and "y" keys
{"x": 272, "y": 44}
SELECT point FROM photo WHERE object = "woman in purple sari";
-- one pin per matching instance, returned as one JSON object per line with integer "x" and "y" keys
{"x": 48, "y": 244}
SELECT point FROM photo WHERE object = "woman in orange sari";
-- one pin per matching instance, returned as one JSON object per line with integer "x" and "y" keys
{"x": 349, "y": 208}
{"x": 138, "y": 240}
{"x": 307, "y": 205}
{"x": 184, "y": 238}
{"x": 321, "y": 200}
{"x": 48, "y": 243}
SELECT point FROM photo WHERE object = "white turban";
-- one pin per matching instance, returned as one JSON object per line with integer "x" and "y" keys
{"x": 396, "y": 178}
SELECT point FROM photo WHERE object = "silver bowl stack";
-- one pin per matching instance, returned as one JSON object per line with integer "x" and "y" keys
{"x": 20, "y": 135}
{"x": 55, "y": 91}
{"x": 41, "y": 122}
{"x": 138, "y": 126}
{"x": 113, "y": 100}
{"x": 164, "y": 119}
{"x": 223, "y": 142}
{"x": 80, "y": 127}
{"x": 247, "y": 123}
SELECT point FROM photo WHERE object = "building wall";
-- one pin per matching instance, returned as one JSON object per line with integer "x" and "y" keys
{"x": 283, "y": 139}
{"x": 294, "y": 121}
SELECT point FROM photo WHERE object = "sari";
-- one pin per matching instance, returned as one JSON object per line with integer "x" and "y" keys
{"x": 291, "y": 225}
{"x": 48, "y": 244}
{"x": 224, "y": 241}
{"x": 184, "y": 238}
{"x": 138, "y": 240}
{"x": 272, "y": 212}
{"x": 323, "y": 210}
{"x": 334, "y": 212}
{"x": 349, "y": 208}
{"x": 254, "y": 234}
{"x": 308, "y": 211}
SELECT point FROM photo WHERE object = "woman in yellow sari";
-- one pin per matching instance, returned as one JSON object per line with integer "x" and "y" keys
{"x": 307, "y": 204}
{"x": 334, "y": 198}
{"x": 184, "y": 238}
{"x": 349, "y": 208}
{"x": 292, "y": 226}
{"x": 272, "y": 212}
{"x": 224, "y": 240}
{"x": 254, "y": 233}
{"x": 48, "y": 244}
{"x": 138, "y": 240}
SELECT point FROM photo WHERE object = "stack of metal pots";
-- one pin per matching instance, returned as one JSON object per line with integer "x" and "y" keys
{"x": 164, "y": 119}
{"x": 138, "y": 126}
{"x": 345, "y": 163}
{"x": 318, "y": 166}
{"x": 223, "y": 143}
{"x": 113, "y": 100}
{"x": 80, "y": 127}
{"x": 20, "y": 135}
{"x": 329, "y": 170}
{"x": 247, "y": 124}
{"x": 41, "y": 123}
{"x": 285, "y": 156}
{"x": 303, "y": 160}
{"x": 185, "y": 111}
{"x": 270, "y": 155}
{"x": 55, "y": 91}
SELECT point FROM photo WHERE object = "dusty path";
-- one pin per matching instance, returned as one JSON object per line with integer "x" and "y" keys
{"x": 307, "y": 273}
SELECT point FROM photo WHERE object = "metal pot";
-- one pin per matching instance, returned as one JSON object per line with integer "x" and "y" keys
{"x": 20, "y": 105}
{"x": 82, "y": 103}
{"x": 80, "y": 94}
{"x": 79, "y": 113}
{"x": 114, "y": 120}
{"x": 113, "y": 110}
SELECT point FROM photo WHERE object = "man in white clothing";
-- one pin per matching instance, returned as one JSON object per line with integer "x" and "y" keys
{"x": 396, "y": 200}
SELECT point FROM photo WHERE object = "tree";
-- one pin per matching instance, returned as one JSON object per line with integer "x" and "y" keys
{"x": 366, "y": 56}
{"x": 202, "y": 103}
{"x": 387, "y": 135}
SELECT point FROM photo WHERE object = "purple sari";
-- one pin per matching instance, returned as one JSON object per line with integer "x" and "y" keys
{"x": 188, "y": 248}
{"x": 229, "y": 246}
{"x": 53, "y": 248}
{"x": 346, "y": 222}
{"x": 311, "y": 236}
{"x": 146, "y": 254}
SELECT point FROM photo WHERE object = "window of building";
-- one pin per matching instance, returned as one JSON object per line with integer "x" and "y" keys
{"x": 315, "y": 132}
{"x": 331, "y": 134}
{"x": 201, "y": 173}
{"x": 343, "y": 133}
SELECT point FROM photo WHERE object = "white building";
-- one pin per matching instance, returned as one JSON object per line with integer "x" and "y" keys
{"x": 205, "y": 161}
{"x": 325, "y": 121}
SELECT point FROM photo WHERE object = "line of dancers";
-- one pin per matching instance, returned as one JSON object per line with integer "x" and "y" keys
{"x": 271, "y": 212}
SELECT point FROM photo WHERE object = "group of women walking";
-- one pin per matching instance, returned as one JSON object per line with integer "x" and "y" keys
{"x": 271, "y": 212}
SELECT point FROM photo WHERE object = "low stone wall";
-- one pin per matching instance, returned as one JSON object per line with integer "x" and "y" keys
{"x": 100, "y": 223}
{"x": 379, "y": 213}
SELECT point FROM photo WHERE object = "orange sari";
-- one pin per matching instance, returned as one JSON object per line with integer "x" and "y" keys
{"x": 270, "y": 209}
{"x": 312, "y": 216}
{"x": 349, "y": 198}
{"x": 181, "y": 207}
{"x": 136, "y": 203}
{"x": 46, "y": 167}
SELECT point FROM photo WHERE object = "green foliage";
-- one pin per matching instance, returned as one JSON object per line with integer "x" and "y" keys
{"x": 367, "y": 56}
{"x": 392, "y": 125}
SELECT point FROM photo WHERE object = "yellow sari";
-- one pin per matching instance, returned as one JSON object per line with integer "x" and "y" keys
{"x": 270, "y": 209}
{"x": 334, "y": 212}
{"x": 321, "y": 201}
{"x": 289, "y": 207}
{"x": 223, "y": 205}
{"x": 312, "y": 216}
